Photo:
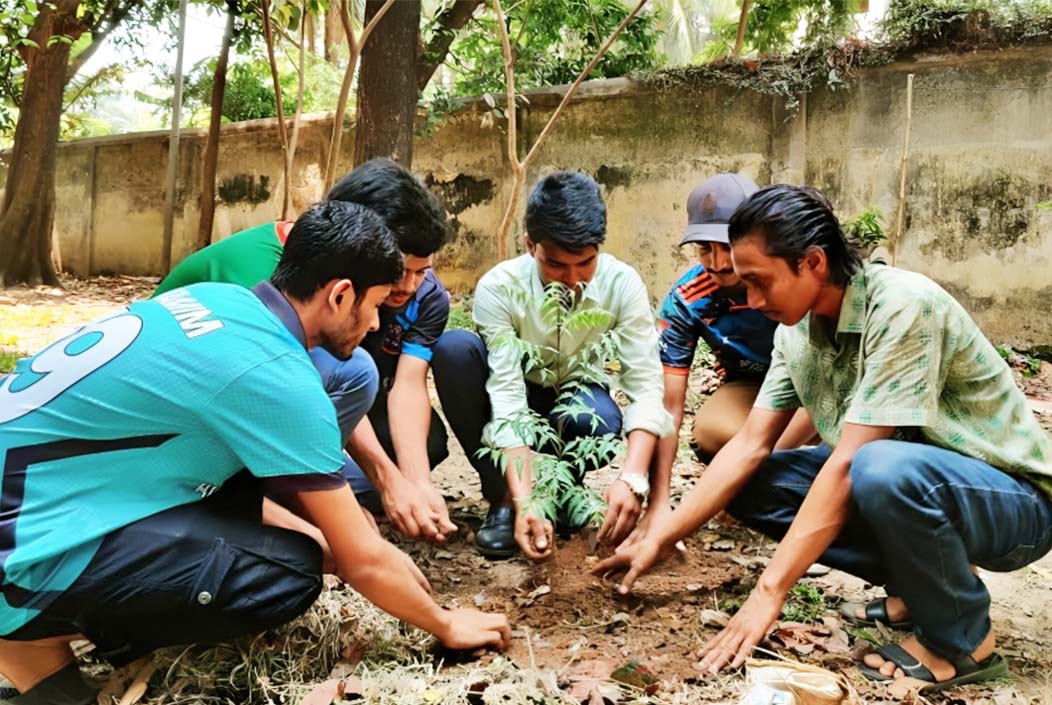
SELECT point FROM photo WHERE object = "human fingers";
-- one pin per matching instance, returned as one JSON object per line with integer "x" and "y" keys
{"x": 626, "y": 521}
{"x": 612, "y": 563}
{"x": 609, "y": 519}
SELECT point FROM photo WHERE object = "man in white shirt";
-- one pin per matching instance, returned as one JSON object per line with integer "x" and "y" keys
{"x": 565, "y": 225}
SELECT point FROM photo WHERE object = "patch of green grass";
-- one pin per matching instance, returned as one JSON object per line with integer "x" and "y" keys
{"x": 806, "y": 603}
{"x": 460, "y": 316}
{"x": 8, "y": 361}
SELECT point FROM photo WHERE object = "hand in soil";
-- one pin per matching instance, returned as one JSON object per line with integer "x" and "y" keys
{"x": 621, "y": 515}
{"x": 636, "y": 559}
{"x": 534, "y": 534}
{"x": 470, "y": 629}
{"x": 654, "y": 516}
{"x": 734, "y": 644}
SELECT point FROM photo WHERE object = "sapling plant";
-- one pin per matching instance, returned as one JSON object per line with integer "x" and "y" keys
{"x": 559, "y": 464}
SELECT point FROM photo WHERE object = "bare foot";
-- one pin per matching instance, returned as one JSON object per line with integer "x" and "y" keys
{"x": 939, "y": 667}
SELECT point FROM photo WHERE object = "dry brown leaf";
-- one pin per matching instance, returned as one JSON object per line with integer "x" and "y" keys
{"x": 328, "y": 692}
{"x": 586, "y": 676}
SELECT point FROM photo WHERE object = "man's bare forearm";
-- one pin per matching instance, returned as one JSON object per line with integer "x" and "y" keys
{"x": 409, "y": 403}
{"x": 366, "y": 450}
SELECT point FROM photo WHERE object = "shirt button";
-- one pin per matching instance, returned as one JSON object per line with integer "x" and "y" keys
{"x": 204, "y": 598}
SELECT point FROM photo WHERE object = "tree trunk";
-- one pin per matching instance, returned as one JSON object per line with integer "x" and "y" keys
{"x": 29, "y": 196}
{"x": 452, "y": 19}
{"x": 283, "y": 135}
{"x": 211, "y": 156}
{"x": 743, "y": 21}
{"x": 387, "y": 91}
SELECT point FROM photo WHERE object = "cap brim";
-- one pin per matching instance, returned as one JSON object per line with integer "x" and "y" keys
{"x": 705, "y": 232}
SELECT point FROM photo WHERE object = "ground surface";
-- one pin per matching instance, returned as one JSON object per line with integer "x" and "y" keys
{"x": 574, "y": 640}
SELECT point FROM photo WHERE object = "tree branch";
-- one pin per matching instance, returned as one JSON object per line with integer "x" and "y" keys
{"x": 584, "y": 74}
{"x": 113, "y": 16}
{"x": 452, "y": 19}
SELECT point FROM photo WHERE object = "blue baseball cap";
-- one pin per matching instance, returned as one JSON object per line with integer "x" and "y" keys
{"x": 710, "y": 206}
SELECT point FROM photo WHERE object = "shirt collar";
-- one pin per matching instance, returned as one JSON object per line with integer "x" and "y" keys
{"x": 853, "y": 307}
{"x": 276, "y": 302}
{"x": 852, "y": 313}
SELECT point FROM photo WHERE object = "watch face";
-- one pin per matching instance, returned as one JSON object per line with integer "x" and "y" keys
{"x": 392, "y": 344}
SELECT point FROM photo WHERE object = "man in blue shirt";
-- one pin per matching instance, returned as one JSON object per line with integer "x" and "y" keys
{"x": 708, "y": 303}
{"x": 389, "y": 466}
{"x": 136, "y": 452}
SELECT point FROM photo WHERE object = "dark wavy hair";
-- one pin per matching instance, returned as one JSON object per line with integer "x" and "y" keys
{"x": 413, "y": 214}
{"x": 567, "y": 209}
{"x": 792, "y": 221}
{"x": 337, "y": 240}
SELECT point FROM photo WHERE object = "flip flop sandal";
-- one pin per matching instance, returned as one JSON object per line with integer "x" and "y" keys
{"x": 967, "y": 669}
{"x": 876, "y": 612}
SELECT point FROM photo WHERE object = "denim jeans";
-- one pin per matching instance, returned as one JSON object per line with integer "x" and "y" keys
{"x": 922, "y": 515}
{"x": 461, "y": 370}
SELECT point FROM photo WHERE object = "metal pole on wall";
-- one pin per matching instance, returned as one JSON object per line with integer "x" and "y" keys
{"x": 900, "y": 219}
{"x": 173, "y": 147}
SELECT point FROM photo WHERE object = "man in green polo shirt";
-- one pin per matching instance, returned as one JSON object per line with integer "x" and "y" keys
{"x": 931, "y": 461}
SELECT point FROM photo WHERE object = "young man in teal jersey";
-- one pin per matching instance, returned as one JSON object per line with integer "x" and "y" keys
{"x": 389, "y": 465}
{"x": 136, "y": 452}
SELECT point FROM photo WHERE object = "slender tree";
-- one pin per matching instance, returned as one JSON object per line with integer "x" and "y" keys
{"x": 37, "y": 72}
{"x": 211, "y": 155}
{"x": 518, "y": 166}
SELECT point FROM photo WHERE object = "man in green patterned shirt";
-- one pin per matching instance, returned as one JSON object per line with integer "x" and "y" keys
{"x": 931, "y": 461}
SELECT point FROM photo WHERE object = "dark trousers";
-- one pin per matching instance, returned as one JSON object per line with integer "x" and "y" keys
{"x": 203, "y": 572}
{"x": 922, "y": 515}
{"x": 461, "y": 370}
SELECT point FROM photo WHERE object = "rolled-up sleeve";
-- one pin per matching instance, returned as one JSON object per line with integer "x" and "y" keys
{"x": 506, "y": 385}
{"x": 641, "y": 375}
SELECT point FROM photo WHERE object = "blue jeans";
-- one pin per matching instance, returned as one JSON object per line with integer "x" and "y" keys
{"x": 922, "y": 515}
{"x": 353, "y": 385}
{"x": 460, "y": 368}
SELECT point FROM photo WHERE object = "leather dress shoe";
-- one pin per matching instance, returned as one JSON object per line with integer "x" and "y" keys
{"x": 496, "y": 537}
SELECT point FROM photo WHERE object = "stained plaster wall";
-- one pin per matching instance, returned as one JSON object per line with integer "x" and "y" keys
{"x": 979, "y": 165}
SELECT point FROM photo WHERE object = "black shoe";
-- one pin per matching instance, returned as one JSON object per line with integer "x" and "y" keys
{"x": 496, "y": 536}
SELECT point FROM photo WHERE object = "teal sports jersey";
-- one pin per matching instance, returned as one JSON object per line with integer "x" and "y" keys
{"x": 144, "y": 410}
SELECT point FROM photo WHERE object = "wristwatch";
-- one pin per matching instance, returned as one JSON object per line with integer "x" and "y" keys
{"x": 639, "y": 484}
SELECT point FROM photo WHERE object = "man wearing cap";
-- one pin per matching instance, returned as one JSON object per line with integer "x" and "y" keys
{"x": 708, "y": 303}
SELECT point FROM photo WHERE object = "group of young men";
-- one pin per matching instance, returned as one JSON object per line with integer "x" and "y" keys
{"x": 186, "y": 469}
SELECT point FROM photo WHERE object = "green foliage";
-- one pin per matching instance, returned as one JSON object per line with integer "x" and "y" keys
{"x": 1028, "y": 365}
{"x": 8, "y": 360}
{"x": 557, "y": 464}
{"x": 806, "y": 603}
{"x": 249, "y": 93}
{"x": 966, "y": 23}
{"x": 460, "y": 316}
{"x": 1044, "y": 206}
{"x": 866, "y": 227}
{"x": 553, "y": 41}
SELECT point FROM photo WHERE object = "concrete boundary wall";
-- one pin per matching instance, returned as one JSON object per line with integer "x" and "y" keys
{"x": 980, "y": 170}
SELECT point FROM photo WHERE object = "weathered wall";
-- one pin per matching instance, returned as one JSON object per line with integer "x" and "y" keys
{"x": 980, "y": 162}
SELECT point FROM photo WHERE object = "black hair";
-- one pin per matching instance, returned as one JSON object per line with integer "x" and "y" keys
{"x": 792, "y": 220}
{"x": 413, "y": 214}
{"x": 566, "y": 208}
{"x": 337, "y": 240}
